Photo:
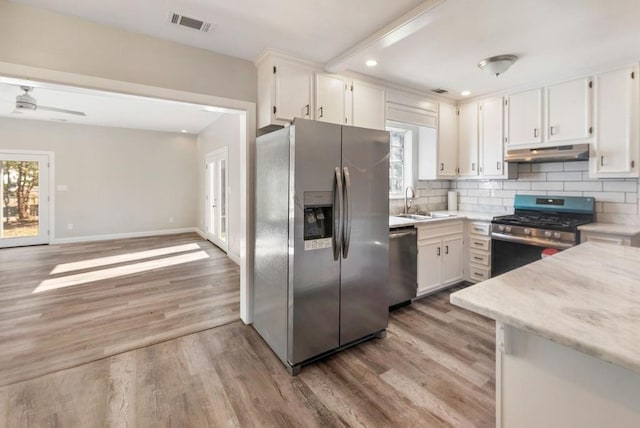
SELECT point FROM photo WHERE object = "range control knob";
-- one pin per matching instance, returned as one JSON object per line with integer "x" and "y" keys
{"x": 501, "y": 228}
{"x": 547, "y": 234}
{"x": 527, "y": 231}
{"x": 557, "y": 235}
{"x": 507, "y": 229}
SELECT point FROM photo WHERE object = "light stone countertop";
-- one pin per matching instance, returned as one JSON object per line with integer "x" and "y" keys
{"x": 454, "y": 215}
{"x": 611, "y": 228}
{"x": 586, "y": 298}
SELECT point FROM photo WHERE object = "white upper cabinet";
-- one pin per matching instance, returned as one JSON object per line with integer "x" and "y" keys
{"x": 468, "y": 140}
{"x": 492, "y": 138}
{"x": 330, "y": 98}
{"x": 366, "y": 105}
{"x": 447, "y": 141}
{"x": 568, "y": 111}
{"x": 524, "y": 118}
{"x": 285, "y": 91}
{"x": 615, "y": 148}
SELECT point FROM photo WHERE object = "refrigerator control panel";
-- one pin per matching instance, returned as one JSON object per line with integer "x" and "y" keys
{"x": 317, "y": 244}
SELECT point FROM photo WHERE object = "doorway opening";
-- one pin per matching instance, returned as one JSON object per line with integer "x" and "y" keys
{"x": 24, "y": 199}
{"x": 217, "y": 198}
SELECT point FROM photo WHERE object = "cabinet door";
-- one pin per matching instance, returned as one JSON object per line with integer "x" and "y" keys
{"x": 293, "y": 87}
{"x": 568, "y": 111}
{"x": 452, "y": 260}
{"x": 330, "y": 98}
{"x": 491, "y": 138}
{"x": 468, "y": 147}
{"x": 447, "y": 140}
{"x": 524, "y": 118}
{"x": 368, "y": 106}
{"x": 429, "y": 265}
{"x": 616, "y": 124}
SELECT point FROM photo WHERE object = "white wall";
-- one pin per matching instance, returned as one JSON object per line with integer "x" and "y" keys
{"x": 119, "y": 180}
{"x": 39, "y": 38}
{"x": 226, "y": 131}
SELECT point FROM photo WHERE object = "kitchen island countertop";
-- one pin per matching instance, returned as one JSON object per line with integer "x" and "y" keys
{"x": 586, "y": 298}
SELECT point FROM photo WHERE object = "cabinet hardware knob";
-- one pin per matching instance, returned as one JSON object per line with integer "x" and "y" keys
{"x": 473, "y": 166}
{"x": 552, "y": 130}
{"x": 321, "y": 111}
{"x": 446, "y": 249}
{"x": 601, "y": 160}
{"x": 535, "y": 132}
{"x": 438, "y": 251}
{"x": 308, "y": 111}
{"x": 498, "y": 165}
{"x": 441, "y": 166}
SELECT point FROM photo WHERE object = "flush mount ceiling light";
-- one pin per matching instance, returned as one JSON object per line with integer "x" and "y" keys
{"x": 371, "y": 63}
{"x": 184, "y": 131}
{"x": 465, "y": 93}
{"x": 497, "y": 64}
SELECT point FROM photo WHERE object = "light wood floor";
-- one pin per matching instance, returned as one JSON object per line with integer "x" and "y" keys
{"x": 128, "y": 294}
{"x": 435, "y": 368}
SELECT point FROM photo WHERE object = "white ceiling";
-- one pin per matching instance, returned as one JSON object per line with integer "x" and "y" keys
{"x": 106, "y": 109}
{"x": 554, "y": 39}
{"x": 316, "y": 30}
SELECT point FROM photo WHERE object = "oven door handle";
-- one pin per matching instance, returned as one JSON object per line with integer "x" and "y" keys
{"x": 532, "y": 241}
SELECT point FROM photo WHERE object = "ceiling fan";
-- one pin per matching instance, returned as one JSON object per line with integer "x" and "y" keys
{"x": 26, "y": 102}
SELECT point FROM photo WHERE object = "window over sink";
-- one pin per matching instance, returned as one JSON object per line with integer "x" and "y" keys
{"x": 403, "y": 139}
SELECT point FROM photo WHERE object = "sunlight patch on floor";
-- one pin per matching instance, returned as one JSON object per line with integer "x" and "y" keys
{"x": 98, "y": 275}
{"x": 129, "y": 257}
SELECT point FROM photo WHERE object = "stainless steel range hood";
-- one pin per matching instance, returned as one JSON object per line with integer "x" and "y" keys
{"x": 576, "y": 152}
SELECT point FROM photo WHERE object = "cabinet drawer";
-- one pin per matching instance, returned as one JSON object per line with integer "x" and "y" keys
{"x": 479, "y": 228}
{"x": 477, "y": 274}
{"x": 480, "y": 258}
{"x": 477, "y": 243}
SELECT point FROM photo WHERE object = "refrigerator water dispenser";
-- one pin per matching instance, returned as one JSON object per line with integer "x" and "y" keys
{"x": 318, "y": 220}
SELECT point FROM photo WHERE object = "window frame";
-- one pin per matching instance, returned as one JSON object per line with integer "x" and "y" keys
{"x": 409, "y": 155}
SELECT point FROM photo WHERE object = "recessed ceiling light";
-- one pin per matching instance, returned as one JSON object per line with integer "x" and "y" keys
{"x": 465, "y": 93}
{"x": 371, "y": 63}
{"x": 184, "y": 131}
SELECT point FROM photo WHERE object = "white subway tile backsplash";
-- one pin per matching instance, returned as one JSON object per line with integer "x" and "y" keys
{"x": 565, "y": 176}
{"x": 620, "y": 208}
{"x": 547, "y": 185}
{"x": 491, "y": 185}
{"x": 576, "y": 166}
{"x": 588, "y": 186}
{"x": 532, "y": 176}
{"x": 618, "y": 197}
{"x": 481, "y": 193}
{"x": 524, "y": 167}
{"x": 546, "y": 167}
{"x": 516, "y": 185}
{"x": 620, "y": 186}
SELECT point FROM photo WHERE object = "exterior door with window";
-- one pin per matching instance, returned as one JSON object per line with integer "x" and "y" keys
{"x": 24, "y": 199}
{"x": 217, "y": 200}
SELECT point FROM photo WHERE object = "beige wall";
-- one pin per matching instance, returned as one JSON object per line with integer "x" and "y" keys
{"x": 119, "y": 180}
{"x": 224, "y": 132}
{"x": 39, "y": 38}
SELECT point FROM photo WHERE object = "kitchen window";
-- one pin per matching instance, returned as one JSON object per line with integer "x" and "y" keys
{"x": 402, "y": 141}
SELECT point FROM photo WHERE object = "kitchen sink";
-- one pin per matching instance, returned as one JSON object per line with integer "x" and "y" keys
{"x": 414, "y": 216}
{"x": 440, "y": 215}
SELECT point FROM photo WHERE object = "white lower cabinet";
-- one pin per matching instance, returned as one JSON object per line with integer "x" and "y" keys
{"x": 440, "y": 255}
{"x": 477, "y": 251}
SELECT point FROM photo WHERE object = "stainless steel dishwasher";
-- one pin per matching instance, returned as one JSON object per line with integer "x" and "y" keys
{"x": 403, "y": 265}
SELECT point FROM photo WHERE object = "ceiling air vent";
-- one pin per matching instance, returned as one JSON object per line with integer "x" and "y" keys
{"x": 440, "y": 91}
{"x": 185, "y": 21}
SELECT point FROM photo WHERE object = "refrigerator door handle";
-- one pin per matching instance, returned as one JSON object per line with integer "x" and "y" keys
{"x": 347, "y": 213}
{"x": 338, "y": 200}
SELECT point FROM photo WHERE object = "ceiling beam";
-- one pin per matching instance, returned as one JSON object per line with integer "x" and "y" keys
{"x": 407, "y": 24}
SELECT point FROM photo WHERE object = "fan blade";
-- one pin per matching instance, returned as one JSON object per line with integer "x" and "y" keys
{"x": 61, "y": 110}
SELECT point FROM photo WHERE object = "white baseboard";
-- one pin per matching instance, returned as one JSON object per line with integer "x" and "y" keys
{"x": 113, "y": 236}
{"x": 201, "y": 233}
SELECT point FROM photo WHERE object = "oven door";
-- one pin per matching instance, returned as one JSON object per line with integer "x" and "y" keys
{"x": 511, "y": 252}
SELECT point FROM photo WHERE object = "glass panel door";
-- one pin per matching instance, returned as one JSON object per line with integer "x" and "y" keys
{"x": 217, "y": 198}
{"x": 24, "y": 199}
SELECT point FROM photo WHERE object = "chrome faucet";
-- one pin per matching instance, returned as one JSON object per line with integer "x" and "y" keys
{"x": 408, "y": 202}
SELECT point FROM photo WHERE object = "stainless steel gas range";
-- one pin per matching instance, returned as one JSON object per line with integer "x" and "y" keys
{"x": 538, "y": 223}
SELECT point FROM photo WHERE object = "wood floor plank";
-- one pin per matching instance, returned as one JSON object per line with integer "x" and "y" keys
{"x": 60, "y": 328}
{"x": 227, "y": 376}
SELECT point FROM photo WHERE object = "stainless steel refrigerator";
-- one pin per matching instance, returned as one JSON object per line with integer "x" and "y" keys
{"x": 322, "y": 239}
